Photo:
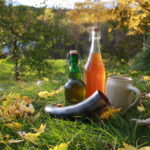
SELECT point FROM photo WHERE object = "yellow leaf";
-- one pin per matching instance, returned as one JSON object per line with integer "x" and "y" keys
{"x": 15, "y": 106}
{"x": 27, "y": 99}
{"x": 45, "y": 79}
{"x": 62, "y": 146}
{"x": 108, "y": 113}
{"x": 3, "y": 141}
{"x": 14, "y": 141}
{"x": 127, "y": 147}
{"x": 145, "y": 148}
{"x": 141, "y": 108}
{"x": 14, "y": 125}
{"x": 41, "y": 129}
{"x": 134, "y": 72}
{"x": 147, "y": 78}
{"x": 43, "y": 94}
{"x": 33, "y": 137}
{"x": 110, "y": 29}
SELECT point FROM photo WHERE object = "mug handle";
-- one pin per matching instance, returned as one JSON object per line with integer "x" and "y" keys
{"x": 138, "y": 95}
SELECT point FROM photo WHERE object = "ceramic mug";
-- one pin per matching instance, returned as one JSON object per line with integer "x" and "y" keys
{"x": 119, "y": 91}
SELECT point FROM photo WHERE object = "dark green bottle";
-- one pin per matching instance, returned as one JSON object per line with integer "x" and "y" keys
{"x": 75, "y": 90}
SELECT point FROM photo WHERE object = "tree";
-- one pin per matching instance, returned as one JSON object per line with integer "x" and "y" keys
{"x": 24, "y": 31}
{"x": 89, "y": 13}
{"x": 142, "y": 59}
{"x": 35, "y": 35}
{"x": 14, "y": 25}
{"x": 131, "y": 14}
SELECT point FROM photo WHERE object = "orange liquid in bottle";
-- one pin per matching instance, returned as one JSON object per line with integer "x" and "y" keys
{"x": 94, "y": 74}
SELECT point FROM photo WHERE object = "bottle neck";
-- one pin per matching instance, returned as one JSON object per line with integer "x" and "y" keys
{"x": 74, "y": 72}
{"x": 95, "y": 46}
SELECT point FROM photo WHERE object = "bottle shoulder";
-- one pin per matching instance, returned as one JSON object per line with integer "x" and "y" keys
{"x": 72, "y": 82}
{"x": 94, "y": 61}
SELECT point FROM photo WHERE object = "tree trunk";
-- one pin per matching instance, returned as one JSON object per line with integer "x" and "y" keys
{"x": 15, "y": 54}
{"x": 16, "y": 60}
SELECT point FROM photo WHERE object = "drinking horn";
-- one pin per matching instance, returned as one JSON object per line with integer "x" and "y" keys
{"x": 92, "y": 105}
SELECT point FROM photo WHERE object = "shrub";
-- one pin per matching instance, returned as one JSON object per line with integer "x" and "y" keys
{"x": 142, "y": 61}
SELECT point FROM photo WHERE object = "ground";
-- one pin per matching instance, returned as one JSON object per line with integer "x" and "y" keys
{"x": 83, "y": 134}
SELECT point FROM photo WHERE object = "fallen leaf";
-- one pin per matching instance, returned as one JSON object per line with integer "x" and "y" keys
{"x": 41, "y": 129}
{"x": 46, "y": 94}
{"x": 130, "y": 147}
{"x": 7, "y": 136}
{"x": 3, "y": 142}
{"x": 147, "y": 78}
{"x": 62, "y": 146}
{"x": 14, "y": 125}
{"x": 141, "y": 108}
{"x": 127, "y": 147}
{"x": 27, "y": 99}
{"x": 14, "y": 106}
{"x": 45, "y": 79}
{"x": 43, "y": 94}
{"x": 134, "y": 72}
{"x": 109, "y": 113}
{"x": 145, "y": 148}
{"x": 4, "y": 139}
{"x": 14, "y": 141}
{"x": 33, "y": 137}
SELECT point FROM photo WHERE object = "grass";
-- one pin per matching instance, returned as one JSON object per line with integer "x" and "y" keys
{"x": 84, "y": 134}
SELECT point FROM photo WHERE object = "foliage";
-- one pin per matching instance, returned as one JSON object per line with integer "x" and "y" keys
{"x": 117, "y": 22}
{"x": 89, "y": 13}
{"x": 133, "y": 15}
{"x": 118, "y": 44}
{"x": 17, "y": 32}
{"x": 34, "y": 35}
{"x": 142, "y": 60}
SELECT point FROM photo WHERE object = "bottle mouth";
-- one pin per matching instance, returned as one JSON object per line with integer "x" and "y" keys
{"x": 73, "y": 52}
{"x": 96, "y": 33}
{"x": 96, "y": 28}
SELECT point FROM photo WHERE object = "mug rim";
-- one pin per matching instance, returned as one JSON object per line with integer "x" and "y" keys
{"x": 121, "y": 78}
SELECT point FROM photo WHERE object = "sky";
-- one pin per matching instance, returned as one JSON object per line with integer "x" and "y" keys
{"x": 51, "y": 3}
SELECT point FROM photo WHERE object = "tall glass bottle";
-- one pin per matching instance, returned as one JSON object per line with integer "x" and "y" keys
{"x": 75, "y": 90}
{"x": 94, "y": 73}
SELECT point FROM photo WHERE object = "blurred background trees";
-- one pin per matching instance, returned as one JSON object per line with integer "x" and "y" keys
{"x": 31, "y": 36}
